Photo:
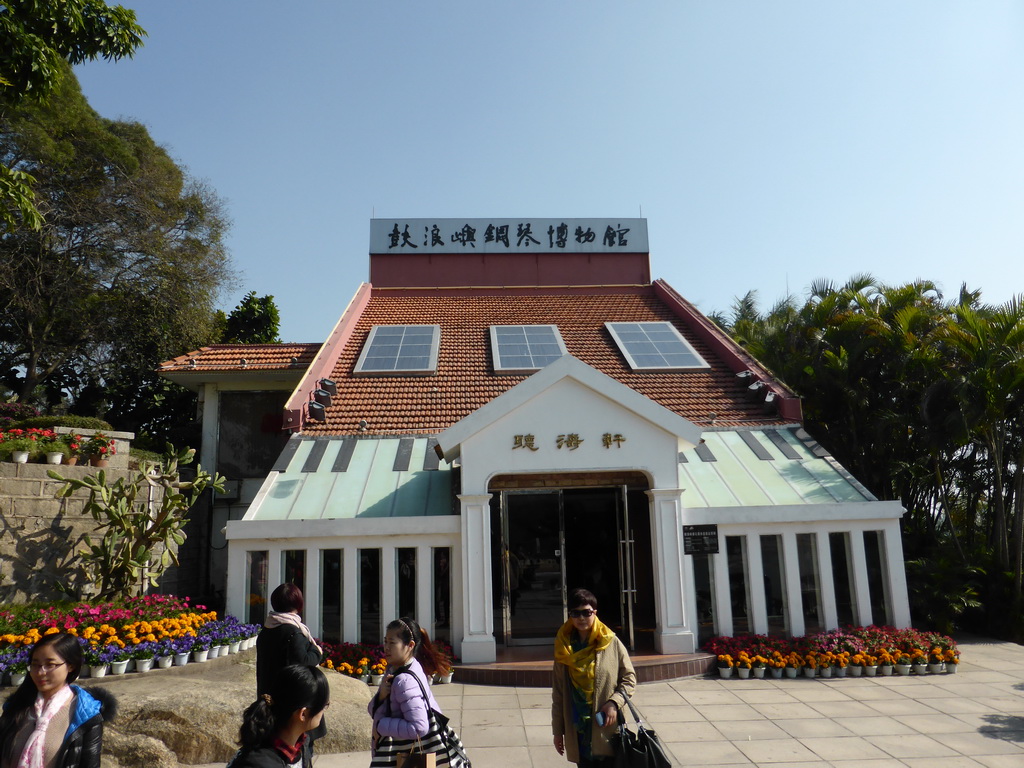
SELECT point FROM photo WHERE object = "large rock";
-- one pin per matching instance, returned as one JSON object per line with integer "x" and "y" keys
{"x": 190, "y": 715}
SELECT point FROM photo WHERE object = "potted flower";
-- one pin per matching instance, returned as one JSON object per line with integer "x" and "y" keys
{"x": 810, "y": 664}
{"x": 885, "y": 662}
{"x": 840, "y": 663}
{"x": 182, "y": 650}
{"x": 856, "y": 666}
{"x": 870, "y": 665}
{"x": 743, "y": 665}
{"x": 919, "y": 661}
{"x": 17, "y": 666}
{"x": 99, "y": 448}
{"x": 73, "y": 444}
{"x": 144, "y": 654}
{"x": 200, "y": 649}
{"x": 97, "y": 658}
{"x": 377, "y": 672}
{"x": 825, "y": 661}
{"x": 725, "y": 665}
{"x": 902, "y": 662}
{"x": 19, "y": 445}
{"x": 951, "y": 658}
{"x": 793, "y": 664}
{"x": 119, "y": 660}
{"x": 52, "y": 446}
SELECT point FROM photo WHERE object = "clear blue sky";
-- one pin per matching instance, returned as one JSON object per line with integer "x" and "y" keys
{"x": 767, "y": 143}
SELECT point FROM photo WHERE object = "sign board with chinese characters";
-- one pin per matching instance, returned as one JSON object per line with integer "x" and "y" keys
{"x": 700, "y": 539}
{"x": 429, "y": 236}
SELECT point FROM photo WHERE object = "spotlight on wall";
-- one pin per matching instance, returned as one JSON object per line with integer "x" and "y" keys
{"x": 754, "y": 390}
{"x": 323, "y": 397}
{"x": 744, "y": 374}
{"x": 316, "y": 412}
{"x": 329, "y": 386}
{"x": 769, "y": 401}
{"x": 363, "y": 425}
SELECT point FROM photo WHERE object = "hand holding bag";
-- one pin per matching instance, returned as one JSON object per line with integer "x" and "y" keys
{"x": 642, "y": 749}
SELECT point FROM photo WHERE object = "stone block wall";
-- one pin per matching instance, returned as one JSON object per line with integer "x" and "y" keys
{"x": 40, "y": 536}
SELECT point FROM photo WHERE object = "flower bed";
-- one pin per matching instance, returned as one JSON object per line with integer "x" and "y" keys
{"x": 148, "y": 627}
{"x": 360, "y": 659}
{"x": 849, "y": 648}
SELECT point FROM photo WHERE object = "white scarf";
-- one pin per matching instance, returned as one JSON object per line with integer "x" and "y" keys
{"x": 276, "y": 619}
{"x": 32, "y": 755}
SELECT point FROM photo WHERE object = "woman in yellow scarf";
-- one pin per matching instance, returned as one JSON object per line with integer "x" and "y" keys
{"x": 591, "y": 672}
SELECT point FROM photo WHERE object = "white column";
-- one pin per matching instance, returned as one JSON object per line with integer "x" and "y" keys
{"x": 274, "y": 571}
{"x": 314, "y": 577}
{"x": 693, "y": 620}
{"x": 478, "y": 645}
{"x": 237, "y": 576}
{"x": 861, "y": 588}
{"x": 791, "y": 565}
{"x": 826, "y": 583}
{"x": 895, "y": 575}
{"x": 425, "y": 588}
{"x": 388, "y": 587}
{"x": 672, "y": 593}
{"x": 350, "y": 595}
{"x": 211, "y": 428}
{"x": 755, "y": 581}
{"x": 723, "y": 589}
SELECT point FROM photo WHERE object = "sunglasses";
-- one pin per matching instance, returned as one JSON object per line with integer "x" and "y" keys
{"x": 586, "y": 613}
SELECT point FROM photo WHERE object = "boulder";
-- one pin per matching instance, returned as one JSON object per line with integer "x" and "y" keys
{"x": 190, "y": 715}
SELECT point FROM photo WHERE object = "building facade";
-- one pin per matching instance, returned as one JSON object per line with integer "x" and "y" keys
{"x": 511, "y": 408}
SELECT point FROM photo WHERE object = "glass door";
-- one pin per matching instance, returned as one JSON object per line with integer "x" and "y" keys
{"x": 532, "y": 567}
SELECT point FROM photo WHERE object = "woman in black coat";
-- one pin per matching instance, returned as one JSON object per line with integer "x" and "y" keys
{"x": 49, "y": 721}
{"x": 284, "y": 639}
{"x": 278, "y": 728}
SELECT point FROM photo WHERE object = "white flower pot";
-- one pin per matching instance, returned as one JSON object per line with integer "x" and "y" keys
{"x": 164, "y": 662}
{"x": 935, "y": 669}
{"x": 777, "y": 673}
{"x": 810, "y": 672}
{"x": 951, "y": 668}
{"x": 180, "y": 659}
{"x": 903, "y": 669}
{"x": 885, "y": 670}
{"x": 143, "y": 665}
{"x": 855, "y": 670}
{"x": 234, "y": 647}
{"x": 920, "y": 669}
{"x": 759, "y": 673}
{"x": 791, "y": 672}
{"x": 375, "y": 679}
{"x": 743, "y": 672}
{"x": 825, "y": 671}
{"x": 118, "y": 667}
{"x": 214, "y": 652}
{"x": 20, "y": 457}
{"x": 54, "y": 458}
{"x": 200, "y": 656}
{"x": 17, "y": 678}
{"x": 725, "y": 672}
{"x": 100, "y": 671}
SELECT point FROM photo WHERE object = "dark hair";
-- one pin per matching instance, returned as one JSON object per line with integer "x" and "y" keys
{"x": 432, "y": 661}
{"x": 295, "y": 687}
{"x": 70, "y": 651}
{"x": 287, "y": 597}
{"x": 579, "y": 597}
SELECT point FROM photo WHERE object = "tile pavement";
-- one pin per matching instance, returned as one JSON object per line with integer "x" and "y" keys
{"x": 972, "y": 718}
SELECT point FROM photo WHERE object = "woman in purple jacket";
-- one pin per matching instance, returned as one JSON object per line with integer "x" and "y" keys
{"x": 399, "y": 709}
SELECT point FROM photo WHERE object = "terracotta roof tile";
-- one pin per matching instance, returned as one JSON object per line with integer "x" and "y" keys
{"x": 465, "y": 379}
{"x": 243, "y": 357}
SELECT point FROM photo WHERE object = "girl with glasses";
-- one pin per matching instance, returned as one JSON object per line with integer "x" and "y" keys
{"x": 48, "y": 722}
{"x": 276, "y": 728}
{"x": 592, "y": 673}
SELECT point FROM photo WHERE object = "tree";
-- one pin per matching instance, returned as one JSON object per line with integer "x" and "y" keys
{"x": 37, "y": 39}
{"x": 254, "y": 321}
{"x": 126, "y": 268}
{"x": 141, "y": 519}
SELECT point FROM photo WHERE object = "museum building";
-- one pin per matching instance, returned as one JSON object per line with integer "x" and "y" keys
{"x": 510, "y": 408}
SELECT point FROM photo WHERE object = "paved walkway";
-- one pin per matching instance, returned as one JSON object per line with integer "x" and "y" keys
{"x": 972, "y": 718}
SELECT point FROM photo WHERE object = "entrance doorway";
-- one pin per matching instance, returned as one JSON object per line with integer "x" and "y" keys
{"x": 545, "y": 543}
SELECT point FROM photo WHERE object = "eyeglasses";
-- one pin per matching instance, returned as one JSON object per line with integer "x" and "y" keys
{"x": 46, "y": 667}
{"x": 586, "y": 613}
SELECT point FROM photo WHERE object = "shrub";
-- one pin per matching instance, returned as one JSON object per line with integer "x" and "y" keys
{"x": 10, "y": 413}
{"x": 74, "y": 422}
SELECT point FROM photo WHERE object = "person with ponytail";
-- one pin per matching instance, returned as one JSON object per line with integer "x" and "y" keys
{"x": 48, "y": 722}
{"x": 276, "y": 728}
{"x": 591, "y": 678}
{"x": 400, "y": 709}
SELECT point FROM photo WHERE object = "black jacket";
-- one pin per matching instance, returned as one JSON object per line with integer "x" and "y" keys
{"x": 84, "y": 739}
{"x": 277, "y": 648}
{"x": 268, "y": 757}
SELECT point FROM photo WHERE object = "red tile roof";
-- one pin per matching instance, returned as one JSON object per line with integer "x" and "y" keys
{"x": 242, "y": 357}
{"x": 465, "y": 379}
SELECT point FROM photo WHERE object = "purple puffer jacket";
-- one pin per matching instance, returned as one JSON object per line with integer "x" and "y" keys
{"x": 403, "y": 715}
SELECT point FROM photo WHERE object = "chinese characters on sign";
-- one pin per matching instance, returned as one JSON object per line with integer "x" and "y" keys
{"x": 508, "y": 235}
{"x": 570, "y": 441}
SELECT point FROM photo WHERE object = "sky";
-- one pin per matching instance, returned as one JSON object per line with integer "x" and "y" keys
{"x": 768, "y": 144}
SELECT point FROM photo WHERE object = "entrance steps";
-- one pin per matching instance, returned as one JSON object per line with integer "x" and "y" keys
{"x": 530, "y": 667}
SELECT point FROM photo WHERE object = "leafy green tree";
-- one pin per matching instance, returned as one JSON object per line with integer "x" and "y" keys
{"x": 37, "y": 39}
{"x": 123, "y": 273}
{"x": 254, "y": 321}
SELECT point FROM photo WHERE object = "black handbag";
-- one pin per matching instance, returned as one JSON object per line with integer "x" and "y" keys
{"x": 642, "y": 749}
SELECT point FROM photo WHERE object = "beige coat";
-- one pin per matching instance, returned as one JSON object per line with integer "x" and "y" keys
{"x": 612, "y": 670}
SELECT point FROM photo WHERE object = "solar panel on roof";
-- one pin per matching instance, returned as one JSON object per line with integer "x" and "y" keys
{"x": 398, "y": 349}
{"x": 525, "y": 347}
{"x": 654, "y": 346}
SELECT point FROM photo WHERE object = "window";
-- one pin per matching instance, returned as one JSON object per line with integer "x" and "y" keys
{"x": 400, "y": 349}
{"x": 654, "y": 346}
{"x": 520, "y": 348}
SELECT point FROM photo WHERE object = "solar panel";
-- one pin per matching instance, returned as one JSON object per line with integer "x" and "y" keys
{"x": 654, "y": 346}
{"x": 517, "y": 348}
{"x": 400, "y": 349}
